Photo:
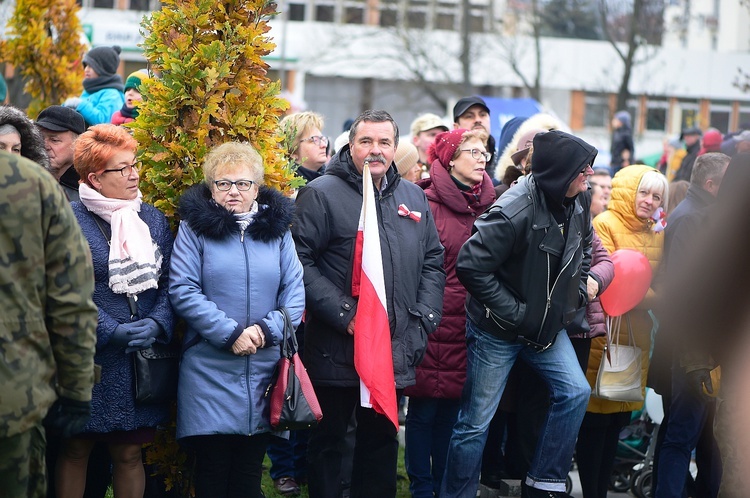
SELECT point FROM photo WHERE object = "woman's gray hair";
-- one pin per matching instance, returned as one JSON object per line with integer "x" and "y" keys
{"x": 7, "y": 129}
{"x": 655, "y": 181}
{"x": 233, "y": 153}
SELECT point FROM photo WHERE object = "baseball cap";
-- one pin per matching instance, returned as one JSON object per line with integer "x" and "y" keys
{"x": 427, "y": 122}
{"x": 60, "y": 118}
{"x": 463, "y": 105}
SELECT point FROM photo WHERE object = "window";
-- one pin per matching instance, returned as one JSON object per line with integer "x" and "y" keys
{"x": 140, "y": 5}
{"x": 445, "y": 20}
{"x": 416, "y": 19}
{"x": 388, "y": 18}
{"x": 324, "y": 13}
{"x": 104, "y": 4}
{"x": 689, "y": 110}
{"x": 744, "y": 119}
{"x": 296, "y": 12}
{"x": 354, "y": 15}
{"x": 656, "y": 114}
{"x": 721, "y": 114}
{"x": 597, "y": 111}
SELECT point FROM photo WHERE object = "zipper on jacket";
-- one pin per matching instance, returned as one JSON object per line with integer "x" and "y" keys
{"x": 247, "y": 312}
{"x": 550, "y": 292}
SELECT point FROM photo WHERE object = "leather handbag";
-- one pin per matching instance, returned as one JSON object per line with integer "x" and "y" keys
{"x": 619, "y": 376}
{"x": 156, "y": 370}
{"x": 293, "y": 404}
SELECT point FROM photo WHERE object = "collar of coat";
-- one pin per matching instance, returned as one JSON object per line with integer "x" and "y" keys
{"x": 210, "y": 220}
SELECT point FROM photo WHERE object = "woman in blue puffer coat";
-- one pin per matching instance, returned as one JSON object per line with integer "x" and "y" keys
{"x": 234, "y": 265}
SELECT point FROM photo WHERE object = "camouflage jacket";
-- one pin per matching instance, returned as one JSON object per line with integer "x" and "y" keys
{"x": 48, "y": 319}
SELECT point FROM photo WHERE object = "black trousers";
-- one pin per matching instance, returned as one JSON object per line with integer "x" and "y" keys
{"x": 228, "y": 465}
{"x": 596, "y": 449}
{"x": 375, "y": 448}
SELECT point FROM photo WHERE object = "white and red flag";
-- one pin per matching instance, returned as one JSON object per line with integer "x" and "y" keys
{"x": 373, "y": 358}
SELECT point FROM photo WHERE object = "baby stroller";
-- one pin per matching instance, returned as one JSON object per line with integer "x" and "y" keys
{"x": 635, "y": 449}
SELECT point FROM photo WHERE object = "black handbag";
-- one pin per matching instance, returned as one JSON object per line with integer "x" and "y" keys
{"x": 293, "y": 404}
{"x": 156, "y": 370}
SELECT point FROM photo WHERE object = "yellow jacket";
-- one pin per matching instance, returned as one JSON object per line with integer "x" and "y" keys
{"x": 620, "y": 228}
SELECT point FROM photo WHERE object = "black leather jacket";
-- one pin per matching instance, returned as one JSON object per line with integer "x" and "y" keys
{"x": 508, "y": 267}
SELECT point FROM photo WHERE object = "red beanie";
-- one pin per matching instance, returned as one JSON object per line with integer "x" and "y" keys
{"x": 444, "y": 147}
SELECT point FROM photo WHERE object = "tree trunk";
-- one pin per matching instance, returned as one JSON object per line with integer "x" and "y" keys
{"x": 623, "y": 94}
{"x": 465, "y": 56}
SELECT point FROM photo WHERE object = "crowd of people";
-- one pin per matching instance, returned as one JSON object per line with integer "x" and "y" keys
{"x": 494, "y": 258}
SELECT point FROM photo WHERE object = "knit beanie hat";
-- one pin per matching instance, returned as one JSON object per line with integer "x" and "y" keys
{"x": 103, "y": 60}
{"x": 444, "y": 146}
{"x": 406, "y": 157}
{"x": 135, "y": 79}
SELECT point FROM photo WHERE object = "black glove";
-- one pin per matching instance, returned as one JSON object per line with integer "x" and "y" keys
{"x": 699, "y": 378}
{"x": 68, "y": 416}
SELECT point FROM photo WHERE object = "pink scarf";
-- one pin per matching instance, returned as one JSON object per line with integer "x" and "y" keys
{"x": 134, "y": 258}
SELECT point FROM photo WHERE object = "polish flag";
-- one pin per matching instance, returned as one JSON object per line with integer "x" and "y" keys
{"x": 373, "y": 358}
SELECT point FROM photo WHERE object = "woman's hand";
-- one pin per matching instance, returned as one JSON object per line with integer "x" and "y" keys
{"x": 249, "y": 341}
{"x": 592, "y": 288}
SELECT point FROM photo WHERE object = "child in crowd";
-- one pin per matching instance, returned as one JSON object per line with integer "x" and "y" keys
{"x": 102, "y": 86}
{"x": 129, "y": 110}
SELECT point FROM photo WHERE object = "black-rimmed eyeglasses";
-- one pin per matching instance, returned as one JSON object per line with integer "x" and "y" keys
{"x": 242, "y": 185}
{"x": 478, "y": 154}
{"x": 124, "y": 171}
{"x": 318, "y": 140}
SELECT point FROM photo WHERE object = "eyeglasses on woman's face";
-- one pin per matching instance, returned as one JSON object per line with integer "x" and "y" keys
{"x": 319, "y": 140}
{"x": 124, "y": 171}
{"x": 242, "y": 185}
{"x": 478, "y": 154}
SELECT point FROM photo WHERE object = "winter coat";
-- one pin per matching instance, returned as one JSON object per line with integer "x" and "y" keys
{"x": 328, "y": 210}
{"x": 69, "y": 181}
{"x": 113, "y": 405}
{"x": 603, "y": 271}
{"x": 98, "y": 107}
{"x": 620, "y": 228}
{"x": 118, "y": 118}
{"x": 622, "y": 140}
{"x": 32, "y": 141}
{"x": 686, "y": 166}
{"x": 48, "y": 322}
{"x": 222, "y": 281}
{"x": 517, "y": 249}
{"x": 442, "y": 373}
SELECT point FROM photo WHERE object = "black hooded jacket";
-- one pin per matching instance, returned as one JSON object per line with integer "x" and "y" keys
{"x": 525, "y": 279}
{"x": 325, "y": 230}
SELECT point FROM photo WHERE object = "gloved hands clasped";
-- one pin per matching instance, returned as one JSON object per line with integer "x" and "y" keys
{"x": 137, "y": 335}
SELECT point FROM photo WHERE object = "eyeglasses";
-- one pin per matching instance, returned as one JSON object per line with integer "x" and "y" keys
{"x": 478, "y": 154}
{"x": 586, "y": 169}
{"x": 318, "y": 140}
{"x": 124, "y": 171}
{"x": 242, "y": 185}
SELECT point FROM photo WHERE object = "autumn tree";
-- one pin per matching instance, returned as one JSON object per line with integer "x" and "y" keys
{"x": 212, "y": 88}
{"x": 44, "y": 43}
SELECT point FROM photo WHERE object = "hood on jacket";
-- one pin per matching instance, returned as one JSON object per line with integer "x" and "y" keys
{"x": 558, "y": 159}
{"x": 32, "y": 142}
{"x": 624, "y": 189}
{"x": 537, "y": 121}
{"x": 343, "y": 166}
{"x": 209, "y": 219}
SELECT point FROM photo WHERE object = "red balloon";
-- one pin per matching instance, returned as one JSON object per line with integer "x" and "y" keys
{"x": 631, "y": 282}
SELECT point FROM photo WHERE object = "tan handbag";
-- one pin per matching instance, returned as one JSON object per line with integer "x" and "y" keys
{"x": 619, "y": 376}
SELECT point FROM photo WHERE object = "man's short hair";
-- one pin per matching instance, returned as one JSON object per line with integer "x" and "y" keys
{"x": 373, "y": 116}
{"x": 708, "y": 166}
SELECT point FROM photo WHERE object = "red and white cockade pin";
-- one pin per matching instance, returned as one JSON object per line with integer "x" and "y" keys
{"x": 404, "y": 211}
{"x": 660, "y": 220}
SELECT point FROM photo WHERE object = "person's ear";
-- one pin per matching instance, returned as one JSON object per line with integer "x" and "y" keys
{"x": 94, "y": 181}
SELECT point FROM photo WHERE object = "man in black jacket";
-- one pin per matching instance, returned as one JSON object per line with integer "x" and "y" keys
{"x": 60, "y": 127}
{"x": 525, "y": 268}
{"x": 688, "y": 408}
{"x": 328, "y": 210}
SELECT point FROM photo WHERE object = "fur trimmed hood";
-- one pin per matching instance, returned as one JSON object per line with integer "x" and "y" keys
{"x": 541, "y": 121}
{"x": 210, "y": 220}
{"x": 32, "y": 142}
